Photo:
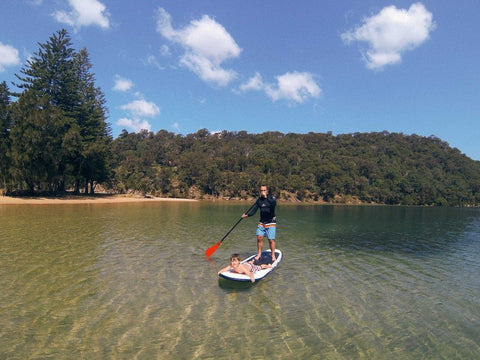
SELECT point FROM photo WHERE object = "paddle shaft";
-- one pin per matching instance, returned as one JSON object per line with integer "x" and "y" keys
{"x": 213, "y": 248}
{"x": 234, "y": 226}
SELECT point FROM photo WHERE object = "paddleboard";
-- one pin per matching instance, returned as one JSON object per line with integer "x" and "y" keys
{"x": 265, "y": 258}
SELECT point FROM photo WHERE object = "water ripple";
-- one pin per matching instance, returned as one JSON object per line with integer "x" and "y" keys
{"x": 131, "y": 282}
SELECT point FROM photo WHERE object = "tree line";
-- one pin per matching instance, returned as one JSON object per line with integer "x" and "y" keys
{"x": 55, "y": 139}
{"x": 384, "y": 168}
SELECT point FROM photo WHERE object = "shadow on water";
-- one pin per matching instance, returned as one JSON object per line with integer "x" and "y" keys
{"x": 230, "y": 286}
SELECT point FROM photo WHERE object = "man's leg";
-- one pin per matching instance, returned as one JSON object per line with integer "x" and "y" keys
{"x": 272, "y": 248}
{"x": 259, "y": 246}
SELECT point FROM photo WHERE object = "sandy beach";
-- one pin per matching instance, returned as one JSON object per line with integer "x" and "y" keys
{"x": 97, "y": 199}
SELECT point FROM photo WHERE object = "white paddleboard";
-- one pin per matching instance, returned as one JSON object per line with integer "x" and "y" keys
{"x": 258, "y": 275}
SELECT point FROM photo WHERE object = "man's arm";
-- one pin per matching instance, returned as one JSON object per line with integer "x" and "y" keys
{"x": 252, "y": 211}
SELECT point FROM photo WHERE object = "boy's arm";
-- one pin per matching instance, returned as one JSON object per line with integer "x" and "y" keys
{"x": 226, "y": 268}
{"x": 248, "y": 272}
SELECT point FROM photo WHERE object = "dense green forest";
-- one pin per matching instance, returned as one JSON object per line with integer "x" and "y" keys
{"x": 55, "y": 139}
{"x": 387, "y": 168}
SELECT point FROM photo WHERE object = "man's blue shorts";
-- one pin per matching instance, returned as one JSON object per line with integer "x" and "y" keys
{"x": 267, "y": 230}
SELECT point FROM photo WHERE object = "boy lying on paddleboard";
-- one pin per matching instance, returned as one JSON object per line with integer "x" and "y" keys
{"x": 247, "y": 268}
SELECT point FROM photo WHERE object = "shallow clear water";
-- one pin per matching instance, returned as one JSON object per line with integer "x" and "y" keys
{"x": 130, "y": 281}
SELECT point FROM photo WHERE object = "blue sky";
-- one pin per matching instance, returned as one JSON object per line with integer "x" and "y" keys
{"x": 305, "y": 66}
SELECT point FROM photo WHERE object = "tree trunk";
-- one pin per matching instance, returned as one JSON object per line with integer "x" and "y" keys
{"x": 77, "y": 187}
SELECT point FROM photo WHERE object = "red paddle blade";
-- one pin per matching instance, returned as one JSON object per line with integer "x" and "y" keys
{"x": 212, "y": 249}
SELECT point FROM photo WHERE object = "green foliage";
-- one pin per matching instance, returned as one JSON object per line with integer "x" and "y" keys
{"x": 5, "y": 124}
{"x": 57, "y": 136}
{"x": 380, "y": 168}
{"x": 35, "y": 142}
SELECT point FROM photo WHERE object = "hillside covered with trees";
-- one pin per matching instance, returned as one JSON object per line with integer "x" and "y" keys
{"x": 55, "y": 139}
{"x": 386, "y": 168}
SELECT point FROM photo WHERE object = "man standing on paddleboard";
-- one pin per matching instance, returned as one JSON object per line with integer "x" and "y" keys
{"x": 268, "y": 223}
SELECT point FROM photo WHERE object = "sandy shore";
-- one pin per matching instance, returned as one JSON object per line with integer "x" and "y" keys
{"x": 98, "y": 199}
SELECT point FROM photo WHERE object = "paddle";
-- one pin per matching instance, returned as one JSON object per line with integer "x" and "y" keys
{"x": 213, "y": 248}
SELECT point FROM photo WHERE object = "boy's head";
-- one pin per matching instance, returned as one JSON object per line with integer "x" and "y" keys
{"x": 234, "y": 258}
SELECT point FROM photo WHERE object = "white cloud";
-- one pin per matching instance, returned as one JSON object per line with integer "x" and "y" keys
{"x": 8, "y": 56}
{"x": 122, "y": 84}
{"x": 134, "y": 124}
{"x": 84, "y": 13}
{"x": 140, "y": 108}
{"x": 296, "y": 87}
{"x": 207, "y": 45}
{"x": 152, "y": 60}
{"x": 254, "y": 83}
{"x": 165, "y": 50}
{"x": 391, "y": 32}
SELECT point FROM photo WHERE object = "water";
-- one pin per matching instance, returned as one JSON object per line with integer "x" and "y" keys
{"x": 130, "y": 281}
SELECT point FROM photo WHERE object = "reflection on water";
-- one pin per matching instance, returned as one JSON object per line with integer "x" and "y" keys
{"x": 131, "y": 281}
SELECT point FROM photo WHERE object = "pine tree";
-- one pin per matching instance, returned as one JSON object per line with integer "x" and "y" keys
{"x": 45, "y": 112}
{"x": 92, "y": 164}
{"x": 60, "y": 137}
{"x": 35, "y": 144}
{"x": 5, "y": 124}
